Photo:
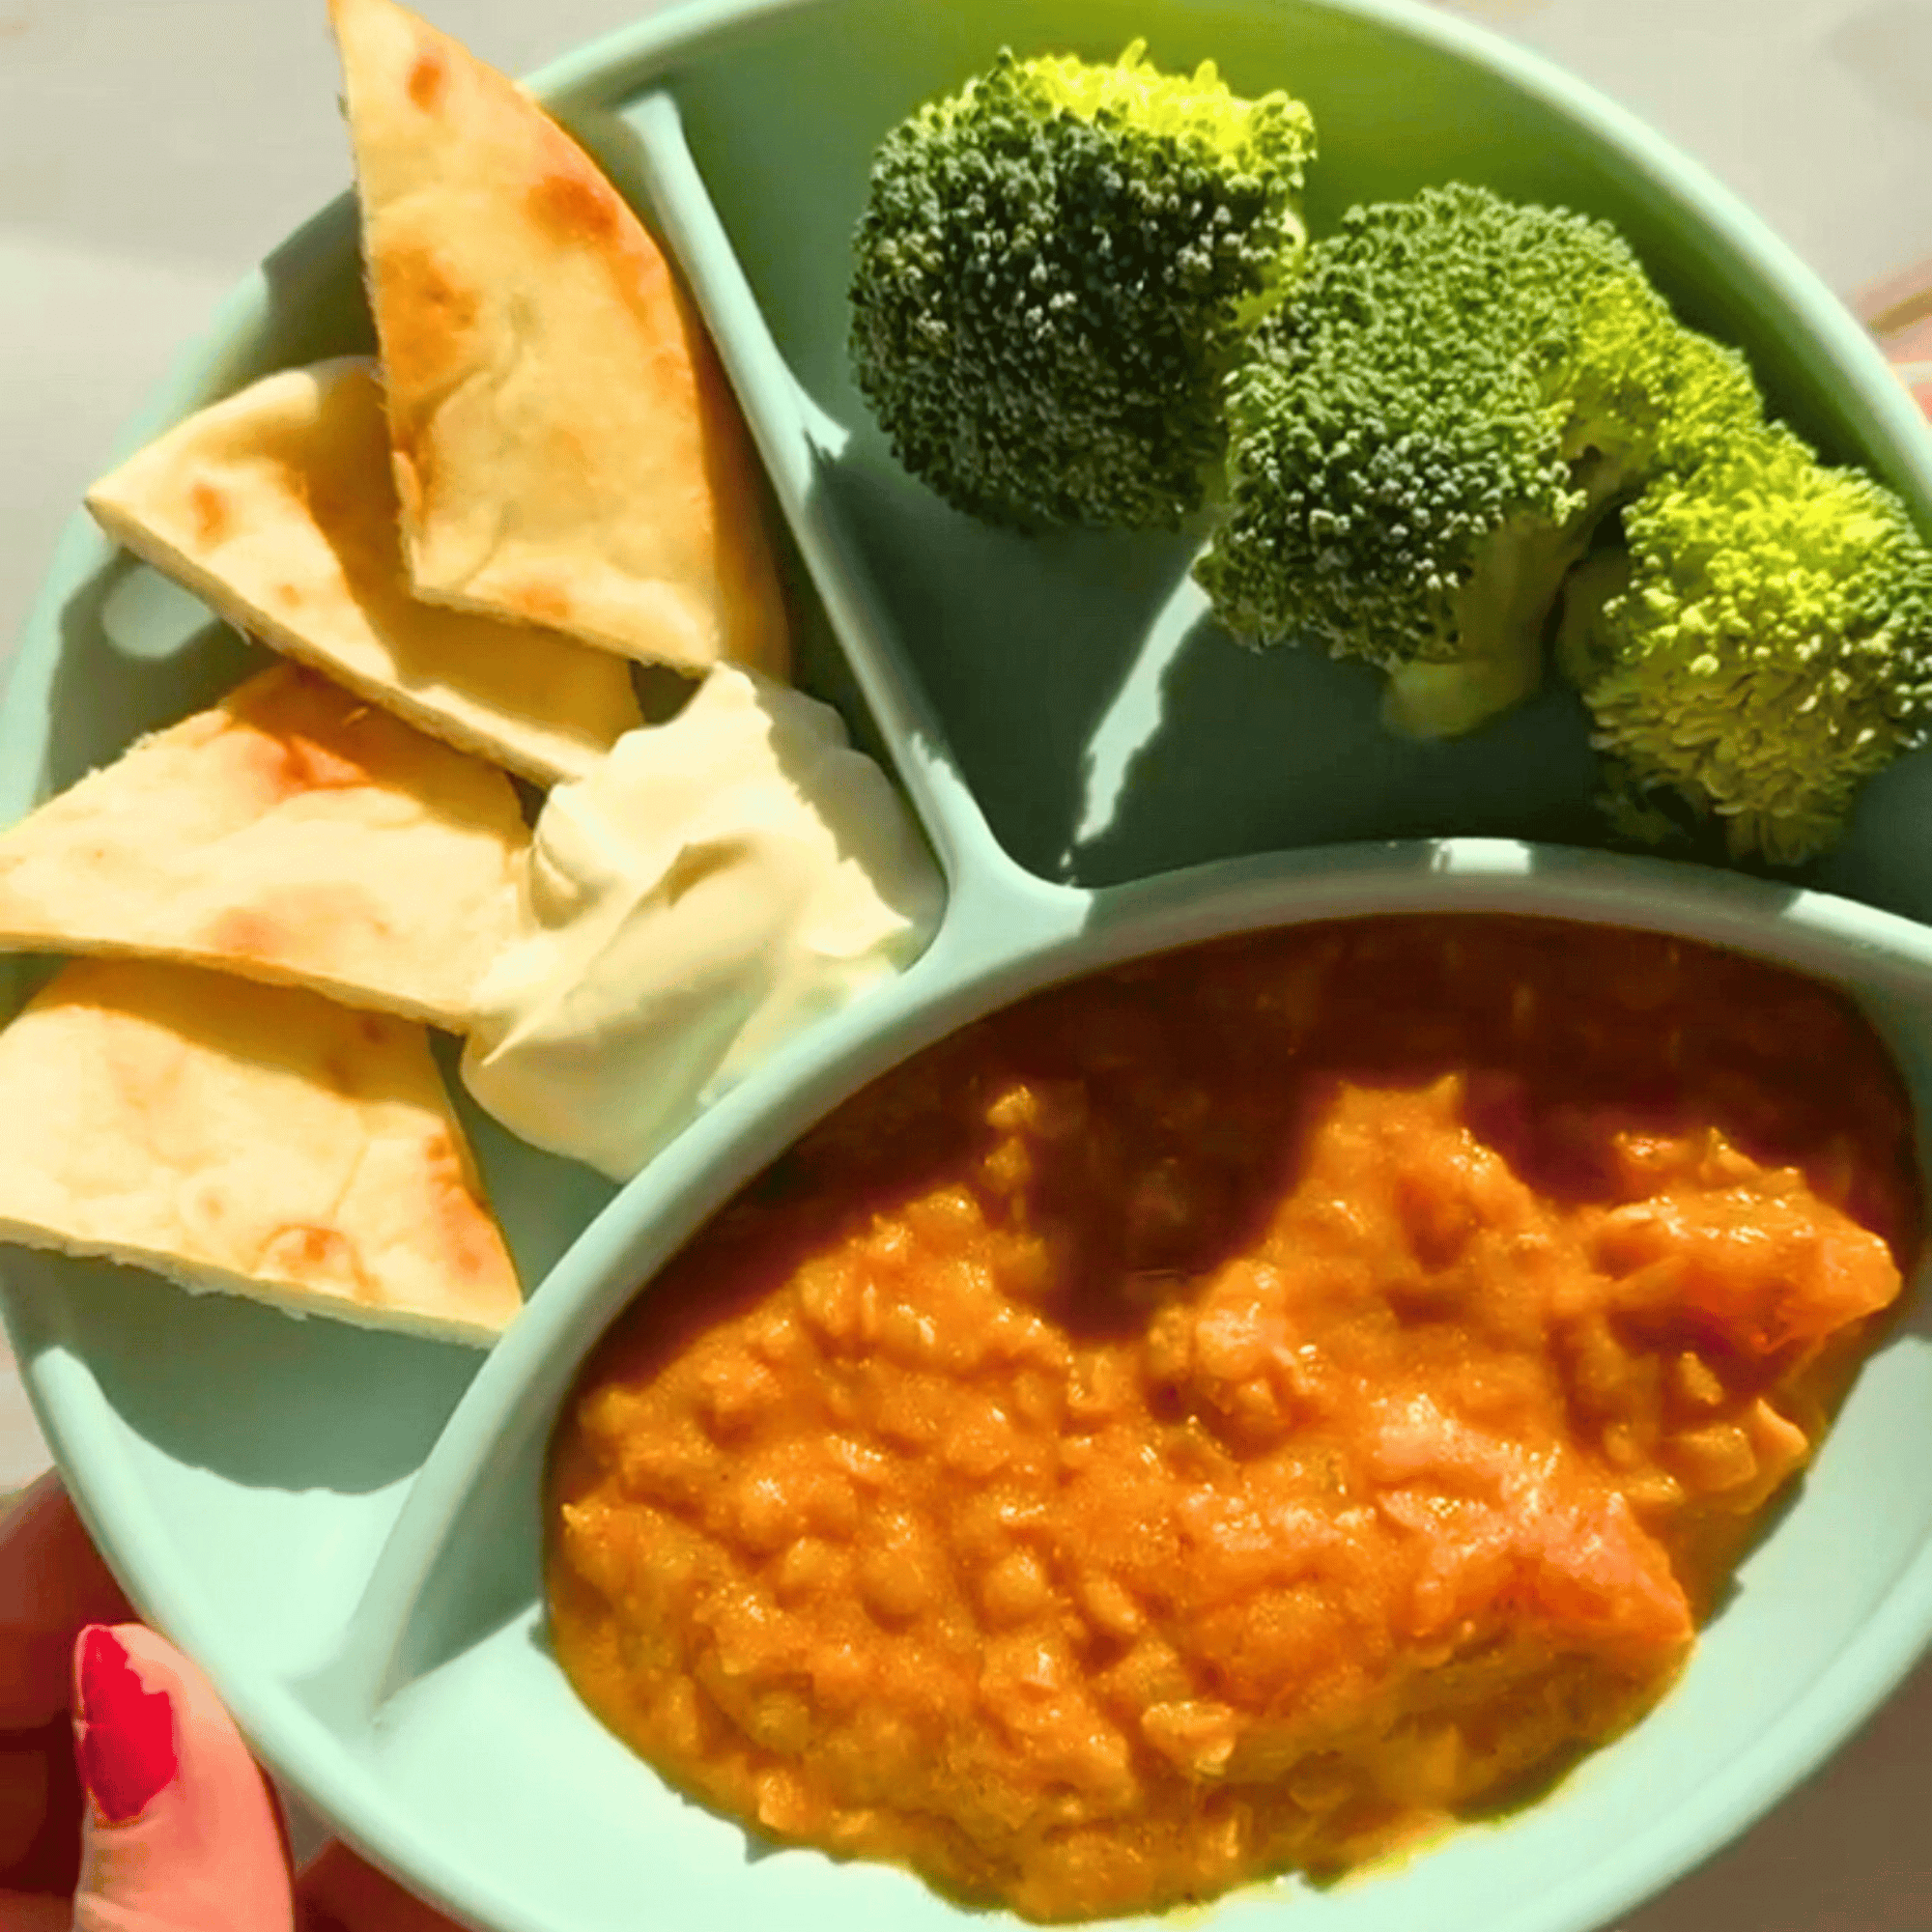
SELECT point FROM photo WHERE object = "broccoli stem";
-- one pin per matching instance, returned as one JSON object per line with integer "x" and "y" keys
{"x": 1500, "y": 615}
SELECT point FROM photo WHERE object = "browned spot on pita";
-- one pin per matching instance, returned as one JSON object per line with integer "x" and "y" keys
{"x": 425, "y": 318}
{"x": 427, "y": 80}
{"x": 288, "y": 761}
{"x": 292, "y": 924}
{"x": 245, "y": 932}
{"x": 210, "y": 512}
{"x": 542, "y": 602}
{"x": 313, "y": 766}
{"x": 304, "y": 1252}
{"x": 574, "y": 208}
{"x": 468, "y": 1251}
{"x": 289, "y": 594}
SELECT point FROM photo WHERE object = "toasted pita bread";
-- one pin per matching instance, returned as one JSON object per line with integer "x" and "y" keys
{"x": 251, "y": 1138}
{"x": 567, "y": 451}
{"x": 291, "y": 834}
{"x": 277, "y": 507}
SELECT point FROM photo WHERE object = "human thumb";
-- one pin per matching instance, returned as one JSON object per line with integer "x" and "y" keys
{"x": 180, "y": 1834}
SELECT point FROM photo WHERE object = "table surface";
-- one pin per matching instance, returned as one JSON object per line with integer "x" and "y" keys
{"x": 152, "y": 149}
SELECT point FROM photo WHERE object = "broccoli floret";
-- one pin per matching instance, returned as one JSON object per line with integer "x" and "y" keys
{"x": 1762, "y": 649}
{"x": 1055, "y": 270}
{"x": 1424, "y": 439}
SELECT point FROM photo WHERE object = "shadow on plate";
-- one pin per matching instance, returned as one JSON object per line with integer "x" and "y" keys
{"x": 244, "y": 1391}
{"x": 1020, "y": 642}
{"x": 136, "y": 653}
{"x": 542, "y": 1201}
{"x": 1211, "y": 751}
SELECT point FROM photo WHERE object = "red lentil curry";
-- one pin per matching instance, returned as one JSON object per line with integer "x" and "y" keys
{"x": 1233, "y": 1412}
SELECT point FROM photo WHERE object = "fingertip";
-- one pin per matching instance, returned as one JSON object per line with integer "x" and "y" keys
{"x": 179, "y": 1829}
{"x": 124, "y": 1732}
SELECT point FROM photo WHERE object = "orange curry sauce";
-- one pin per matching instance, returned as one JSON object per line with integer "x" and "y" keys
{"x": 1233, "y": 1412}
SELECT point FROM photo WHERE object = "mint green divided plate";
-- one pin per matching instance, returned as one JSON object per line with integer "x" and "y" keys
{"x": 343, "y": 1526}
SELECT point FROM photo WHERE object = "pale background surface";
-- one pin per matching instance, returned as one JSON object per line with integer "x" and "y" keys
{"x": 151, "y": 149}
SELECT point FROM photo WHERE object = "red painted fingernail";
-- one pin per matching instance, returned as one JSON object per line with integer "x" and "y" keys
{"x": 124, "y": 1732}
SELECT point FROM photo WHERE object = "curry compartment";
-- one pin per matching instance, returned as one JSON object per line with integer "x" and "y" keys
{"x": 1238, "y": 1411}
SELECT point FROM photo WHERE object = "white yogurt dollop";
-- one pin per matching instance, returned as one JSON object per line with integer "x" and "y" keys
{"x": 716, "y": 884}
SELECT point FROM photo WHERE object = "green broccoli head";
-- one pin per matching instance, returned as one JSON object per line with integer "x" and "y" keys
{"x": 1054, "y": 272}
{"x": 1645, "y": 396}
{"x": 1421, "y": 441}
{"x": 1761, "y": 652}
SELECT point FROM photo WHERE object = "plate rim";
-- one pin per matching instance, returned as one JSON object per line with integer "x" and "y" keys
{"x": 314, "y": 1758}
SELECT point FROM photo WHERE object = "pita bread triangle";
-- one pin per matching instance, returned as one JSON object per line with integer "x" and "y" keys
{"x": 277, "y": 507}
{"x": 256, "y": 1140}
{"x": 567, "y": 451}
{"x": 290, "y": 833}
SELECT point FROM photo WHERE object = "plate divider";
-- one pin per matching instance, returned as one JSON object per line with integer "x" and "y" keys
{"x": 780, "y": 423}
